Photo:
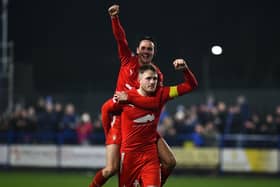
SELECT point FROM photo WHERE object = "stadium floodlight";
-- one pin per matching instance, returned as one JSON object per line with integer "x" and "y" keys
{"x": 216, "y": 50}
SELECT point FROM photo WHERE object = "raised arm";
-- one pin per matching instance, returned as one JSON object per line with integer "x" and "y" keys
{"x": 187, "y": 86}
{"x": 190, "y": 80}
{"x": 163, "y": 94}
{"x": 119, "y": 34}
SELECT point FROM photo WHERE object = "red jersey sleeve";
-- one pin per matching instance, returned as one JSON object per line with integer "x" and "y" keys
{"x": 123, "y": 50}
{"x": 144, "y": 102}
{"x": 160, "y": 76}
{"x": 111, "y": 107}
{"x": 190, "y": 84}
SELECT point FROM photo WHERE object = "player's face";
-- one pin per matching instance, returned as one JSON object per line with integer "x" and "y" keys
{"x": 146, "y": 51}
{"x": 148, "y": 82}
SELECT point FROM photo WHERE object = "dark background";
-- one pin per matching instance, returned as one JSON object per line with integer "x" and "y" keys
{"x": 70, "y": 46}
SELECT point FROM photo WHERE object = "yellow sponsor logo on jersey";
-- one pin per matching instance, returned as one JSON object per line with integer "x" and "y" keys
{"x": 173, "y": 92}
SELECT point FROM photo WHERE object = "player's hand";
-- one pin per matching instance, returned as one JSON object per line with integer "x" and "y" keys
{"x": 114, "y": 10}
{"x": 120, "y": 97}
{"x": 180, "y": 64}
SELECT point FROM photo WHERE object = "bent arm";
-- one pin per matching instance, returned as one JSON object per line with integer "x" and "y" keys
{"x": 187, "y": 86}
{"x": 107, "y": 109}
{"x": 132, "y": 97}
{"x": 111, "y": 107}
{"x": 150, "y": 103}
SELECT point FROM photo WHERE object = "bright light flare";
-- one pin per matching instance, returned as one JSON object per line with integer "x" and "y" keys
{"x": 217, "y": 50}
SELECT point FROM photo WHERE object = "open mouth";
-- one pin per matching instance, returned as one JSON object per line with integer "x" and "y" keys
{"x": 151, "y": 87}
{"x": 145, "y": 56}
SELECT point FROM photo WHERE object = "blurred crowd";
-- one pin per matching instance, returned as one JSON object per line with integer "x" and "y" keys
{"x": 49, "y": 122}
{"x": 202, "y": 124}
{"x": 206, "y": 123}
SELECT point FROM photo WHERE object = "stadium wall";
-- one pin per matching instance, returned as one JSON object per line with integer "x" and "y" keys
{"x": 93, "y": 157}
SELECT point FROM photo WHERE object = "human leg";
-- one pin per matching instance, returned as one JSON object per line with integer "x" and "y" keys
{"x": 130, "y": 169}
{"x": 112, "y": 166}
{"x": 150, "y": 174}
{"x": 113, "y": 140}
{"x": 167, "y": 159}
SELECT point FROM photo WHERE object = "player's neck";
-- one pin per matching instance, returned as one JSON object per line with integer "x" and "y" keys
{"x": 142, "y": 92}
{"x": 142, "y": 63}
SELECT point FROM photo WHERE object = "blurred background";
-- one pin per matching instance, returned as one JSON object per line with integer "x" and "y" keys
{"x": 59, "y": 63}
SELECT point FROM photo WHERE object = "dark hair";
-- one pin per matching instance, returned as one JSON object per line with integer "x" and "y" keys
{"x": 146, "y": 38}
{"x": 146, "y": 67}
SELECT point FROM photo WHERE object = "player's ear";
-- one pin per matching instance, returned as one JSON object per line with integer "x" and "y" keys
{"x": 139, "y": 77}
{"x": 137, "y": 50}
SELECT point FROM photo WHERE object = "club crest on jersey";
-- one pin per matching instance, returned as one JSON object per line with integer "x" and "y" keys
{"x": 114, "y": 138}
{"x": 145, "y": 119}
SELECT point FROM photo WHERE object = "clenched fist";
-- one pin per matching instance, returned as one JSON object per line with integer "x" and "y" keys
{"x": 114, "y": 10}
{"x": 180, "y": 64}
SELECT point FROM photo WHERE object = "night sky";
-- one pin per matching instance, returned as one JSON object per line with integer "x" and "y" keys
{"x": 70, "y": 44}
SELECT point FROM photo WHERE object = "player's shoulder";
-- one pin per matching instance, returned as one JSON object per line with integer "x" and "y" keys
{"x": 157, "y": 68}
{"x": 132, "y": 59}
{"x": 153, "y": 64}
{"x": 128, "y": 60}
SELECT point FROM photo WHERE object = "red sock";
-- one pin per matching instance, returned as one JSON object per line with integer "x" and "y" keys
{"x": 164, "y": 174}
{"x": 98, "y": 180}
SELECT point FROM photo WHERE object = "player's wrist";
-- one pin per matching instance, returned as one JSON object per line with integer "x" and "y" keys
{"x": 114, "y": 16}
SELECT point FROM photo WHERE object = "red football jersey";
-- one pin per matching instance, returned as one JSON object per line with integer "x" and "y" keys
{"x": 139, "y": 125}
{"x": 128, "y": 74}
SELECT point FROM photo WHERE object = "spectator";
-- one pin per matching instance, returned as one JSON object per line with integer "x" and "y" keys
{"x": 70, "y": 118}
{"x": 210, "y": 135}
{"x": 244, "y": 108}
{"x": 191, "y": 119}
{"x": 221, "y": 118}
{"x": 84, "y": 129}
{"x": 277, "y": 119}
{"x": 47, "y": 125}
{"x": 198, "y": 139}
{"x": 97, "y": 124}
{"x": 68, "y": 124}
{"x": 249, "y": 127}
{"x": 40, "y": 106}
{"x": 268, "y": 127}
{"x": 31, "y": 119}
{"x": 19, "y": 124}
{"x": 233, "y": 121}
{"x": 58, "y": 112}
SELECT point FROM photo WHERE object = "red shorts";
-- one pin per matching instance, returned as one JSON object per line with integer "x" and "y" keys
{"x": 140, "y": 169}
{"x": 114, "y": 134}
